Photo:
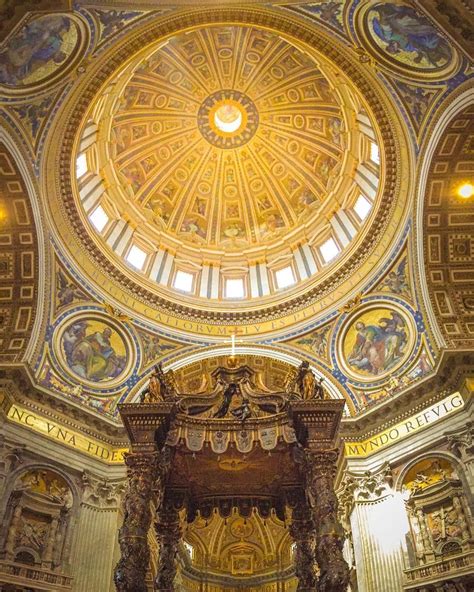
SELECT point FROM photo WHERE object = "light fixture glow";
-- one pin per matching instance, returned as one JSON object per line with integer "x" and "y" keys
{"x": 228, "y": 118}
{"x": 466, "y": 190}
{"x": 388, "y": 524}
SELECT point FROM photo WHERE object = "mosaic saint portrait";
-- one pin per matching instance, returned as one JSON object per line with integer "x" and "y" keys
{"x": 38, "y": 50}
{"x": 93, "y": 350}
{"x": 376, "y": 342}
{"x": 407, "y": 36}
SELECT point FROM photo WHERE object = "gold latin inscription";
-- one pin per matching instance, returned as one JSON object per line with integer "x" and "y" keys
{"x": 403, "y": 429}
{"x": 66, "y": 436}
{"x": 111, "y": 455}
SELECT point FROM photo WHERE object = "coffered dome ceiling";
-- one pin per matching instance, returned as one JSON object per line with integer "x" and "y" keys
{"x": 229, "y": 138}
{"x": 230, "y": 163}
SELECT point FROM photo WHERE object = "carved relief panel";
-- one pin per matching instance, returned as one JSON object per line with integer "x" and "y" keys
{"x": 440, "y": 520}
{"x": 36, "y": 528}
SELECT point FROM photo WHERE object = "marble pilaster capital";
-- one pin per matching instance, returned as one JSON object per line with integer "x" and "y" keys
{"x": 461, "y": 442}
{"x": 102, "y": 493}
{"x": 370, "y": 486}
{"x": 11, "y": 457}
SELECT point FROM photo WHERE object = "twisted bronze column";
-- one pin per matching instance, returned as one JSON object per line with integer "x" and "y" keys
{"x": 334, "y": 571}
{"x": 302, "y": 532}
{"x": 168, "y": 533}
{"x": 131, "y": 570}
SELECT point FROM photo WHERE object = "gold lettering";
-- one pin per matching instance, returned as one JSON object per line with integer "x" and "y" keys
{"x": 16, "y": 414}
{"x": 409, "y": 426}
{"x": 419, "y": 420}
{"x": 353, "y": 449}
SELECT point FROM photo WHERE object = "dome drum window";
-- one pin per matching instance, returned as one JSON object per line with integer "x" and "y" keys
{"x": 329, "y": 250}
{"x": 284, "y": 277}
{"x": 99, "y": 218}
{"x": 136, "y": 257}
{"x": 183, "y": 281}
{"x": 234, "y": 288}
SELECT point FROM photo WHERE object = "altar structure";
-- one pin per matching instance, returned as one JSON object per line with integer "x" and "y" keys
{"x": 281, "y": 447}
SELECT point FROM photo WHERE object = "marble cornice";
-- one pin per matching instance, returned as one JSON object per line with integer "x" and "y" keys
{"x": 452, "y": 373}
{"x": 17, "y": 384}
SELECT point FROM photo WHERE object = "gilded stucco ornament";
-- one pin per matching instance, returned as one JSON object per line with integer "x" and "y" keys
{"x": 141, "y": 295}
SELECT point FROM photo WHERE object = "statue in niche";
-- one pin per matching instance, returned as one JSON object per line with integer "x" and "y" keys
{"x": 161, "y": 386}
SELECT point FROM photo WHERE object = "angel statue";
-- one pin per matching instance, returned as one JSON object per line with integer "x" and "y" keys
{"x": 319, "y": 390}
{"x": 305, "y": 381}
{"x": 161, "y": 386}
{"x": 306, "y": 384}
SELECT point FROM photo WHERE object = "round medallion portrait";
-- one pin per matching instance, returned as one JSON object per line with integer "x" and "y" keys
{"x": 376, "y": 342}
{"x": 241, "y": 528}
{"x": 94, "y": 350}
{"x": 40, "y": 51}
{"x": 406, "y": 39}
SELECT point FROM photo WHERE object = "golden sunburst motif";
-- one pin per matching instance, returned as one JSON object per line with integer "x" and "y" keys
{"x": 228, "y": 119}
